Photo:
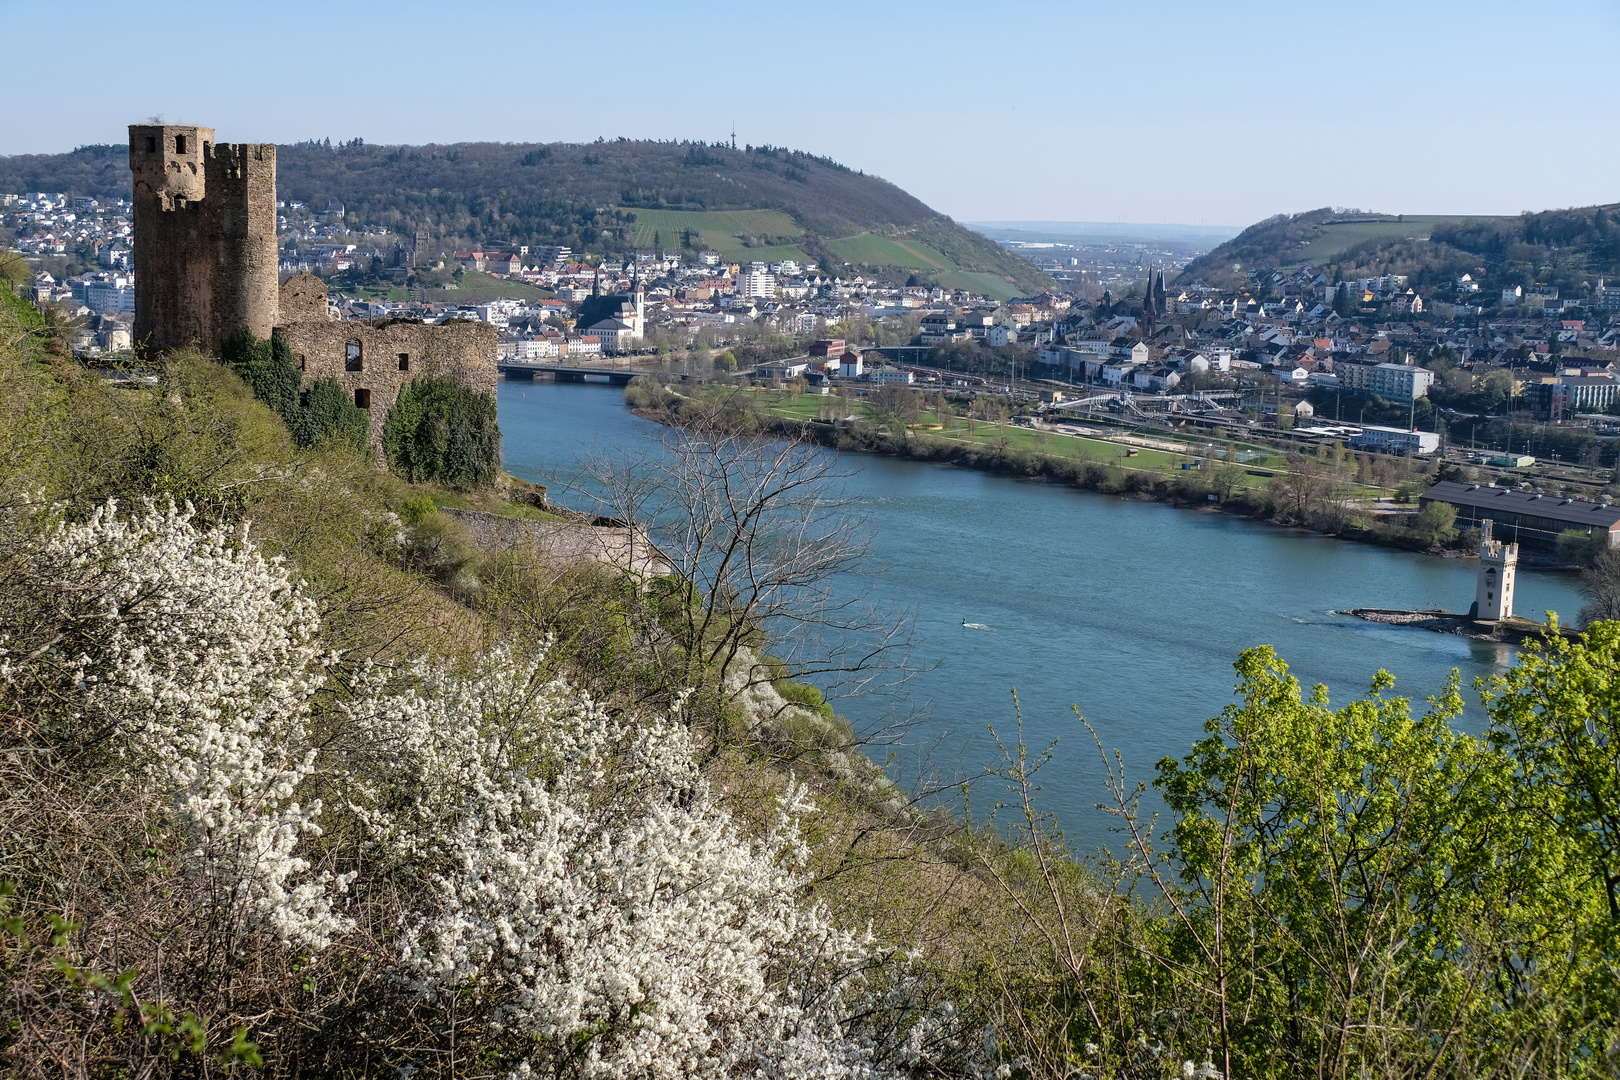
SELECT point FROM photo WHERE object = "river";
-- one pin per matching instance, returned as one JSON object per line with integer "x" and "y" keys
{"x": 1132, "y": 611}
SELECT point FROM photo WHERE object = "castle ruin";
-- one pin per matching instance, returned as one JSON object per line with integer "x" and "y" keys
{"x": 206, "y": 260}
{"x": 205, "y": 251}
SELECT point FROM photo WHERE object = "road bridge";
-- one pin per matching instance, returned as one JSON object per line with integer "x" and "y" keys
{"x": 558, "y": 373}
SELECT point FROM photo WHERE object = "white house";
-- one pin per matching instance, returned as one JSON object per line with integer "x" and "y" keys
{"x": 1159, "y": 380}
{"x": 1119, "y": 372}
{"x": 1135, "y": 352}
{"x": 1189, "y": 360}
{"x": 999, "y": 335}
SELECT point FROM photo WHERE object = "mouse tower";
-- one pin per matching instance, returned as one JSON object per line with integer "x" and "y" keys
{"x": 205, "y": 250}
{"x": 1493, "y": 596}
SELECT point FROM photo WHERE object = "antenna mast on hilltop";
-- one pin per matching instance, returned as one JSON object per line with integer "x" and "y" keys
{"x": 734, "y": 134}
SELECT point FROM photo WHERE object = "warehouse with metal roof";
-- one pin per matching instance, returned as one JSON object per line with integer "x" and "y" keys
{"x": 1526, "y": 517}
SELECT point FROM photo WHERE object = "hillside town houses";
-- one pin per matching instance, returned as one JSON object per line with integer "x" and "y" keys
{"x": 1306, "y": 331}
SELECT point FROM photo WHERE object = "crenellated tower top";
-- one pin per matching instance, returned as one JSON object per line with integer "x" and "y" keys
{"x": 168, "y": 161}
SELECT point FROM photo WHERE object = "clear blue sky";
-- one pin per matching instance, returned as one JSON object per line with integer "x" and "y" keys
{"x": 1150, "y": 112}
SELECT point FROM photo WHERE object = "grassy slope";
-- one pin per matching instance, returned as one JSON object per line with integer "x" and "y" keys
{"x": 1316, "y": 237}
{"x": 991, "y": 285}
{"x": 477, "y": 288}
{"x": 720, "y": 231}
{"x": 1338, "y": 237}
{"x": 869, "y": 249}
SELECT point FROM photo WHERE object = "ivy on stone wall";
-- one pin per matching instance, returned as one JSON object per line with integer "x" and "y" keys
{"x": 441, "y": 430}
{"x": 323, "y": 413}
{"x": 328, "y": 413}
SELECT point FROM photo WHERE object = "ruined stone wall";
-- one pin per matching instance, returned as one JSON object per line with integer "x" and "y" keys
{"x": 303, "y": 299}
{"x": 618, "y": 546}
{"x": 390, "y": 355}
{"x": 205, "y": 237}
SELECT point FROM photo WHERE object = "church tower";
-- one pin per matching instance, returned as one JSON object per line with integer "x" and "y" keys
{"x": 1493, "y": 597}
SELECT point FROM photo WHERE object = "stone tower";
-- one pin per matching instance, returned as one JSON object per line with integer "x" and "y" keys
{"x": 205, "y": 250}
{"x": 1498, "y": 561}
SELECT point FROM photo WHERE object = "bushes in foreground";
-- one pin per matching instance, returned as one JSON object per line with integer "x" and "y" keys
{"x": 237, "y": 849}
{"x": 1341, "y": 892}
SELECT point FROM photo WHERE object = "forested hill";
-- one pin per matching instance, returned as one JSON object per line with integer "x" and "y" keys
{"x": 1566, "y": 249}
{"x": 604, "y": 196}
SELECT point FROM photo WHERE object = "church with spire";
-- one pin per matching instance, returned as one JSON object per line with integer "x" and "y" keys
{"x": 618, "y": 319}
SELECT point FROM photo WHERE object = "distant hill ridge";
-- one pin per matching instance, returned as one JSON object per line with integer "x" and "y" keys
{"x": 1564, "y": 249}
{"x": 613, "y": 196}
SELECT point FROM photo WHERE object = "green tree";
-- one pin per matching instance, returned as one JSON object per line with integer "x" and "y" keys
{"x": 267, "y": 368}
{"x": 1557, "y": 715}
{"x": 1344, "y": 305}
{"x": 1348, "y": 886}
{"x": 441, "y": 430}
{"x": 1436, "y": 523}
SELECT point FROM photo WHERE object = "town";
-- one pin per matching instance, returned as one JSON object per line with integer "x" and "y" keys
{"x": 867, "y": 542}
{"x": 1497, "y": 378}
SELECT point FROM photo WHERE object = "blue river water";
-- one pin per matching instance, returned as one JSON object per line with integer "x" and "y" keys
{"x": 1131, "y": 611}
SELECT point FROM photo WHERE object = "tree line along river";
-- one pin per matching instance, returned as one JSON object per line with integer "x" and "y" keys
{"x": 1132, "y": 611}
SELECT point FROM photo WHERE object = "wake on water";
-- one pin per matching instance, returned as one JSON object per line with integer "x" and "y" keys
{"x": 975, "y": 626}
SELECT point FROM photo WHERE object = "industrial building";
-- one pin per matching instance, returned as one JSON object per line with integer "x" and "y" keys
{"x": 1528, "y": 517}
{"x": 1392, "y": 440}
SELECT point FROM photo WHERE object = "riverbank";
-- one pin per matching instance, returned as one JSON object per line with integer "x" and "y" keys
{"x": 1301, "y": 495}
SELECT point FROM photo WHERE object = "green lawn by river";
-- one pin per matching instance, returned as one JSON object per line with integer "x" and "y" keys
{"x": 1260, "y": 462}
{"x": 1047, "y": 443}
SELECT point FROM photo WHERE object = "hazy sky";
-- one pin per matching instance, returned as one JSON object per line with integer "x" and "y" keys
{"x": 1149, "y": 112}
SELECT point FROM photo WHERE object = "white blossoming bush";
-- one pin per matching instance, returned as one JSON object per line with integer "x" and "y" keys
{"x": 576, "y": 896}
{"x": 195, "y": 664}
{"x": 591, "y": 895}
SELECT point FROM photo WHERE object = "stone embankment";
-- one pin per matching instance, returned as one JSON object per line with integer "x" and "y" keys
{"x": 1513, "y": 631}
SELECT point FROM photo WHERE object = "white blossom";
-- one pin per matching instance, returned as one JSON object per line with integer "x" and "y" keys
{"x": 198, "y": 657}
{"x": 581, "y": 890}
{"x": 594, "y": 893}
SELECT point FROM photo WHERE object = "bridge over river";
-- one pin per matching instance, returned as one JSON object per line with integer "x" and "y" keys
{"x": 557, "y": 373}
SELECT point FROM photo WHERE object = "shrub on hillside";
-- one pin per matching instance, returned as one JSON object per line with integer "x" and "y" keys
{"x": 440, "y": 430}
{"x": 237, "y": 839}
{"x": 268, "y": 370}
{"x": 324, "y": 414}
{"x": 646, "y": 392}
